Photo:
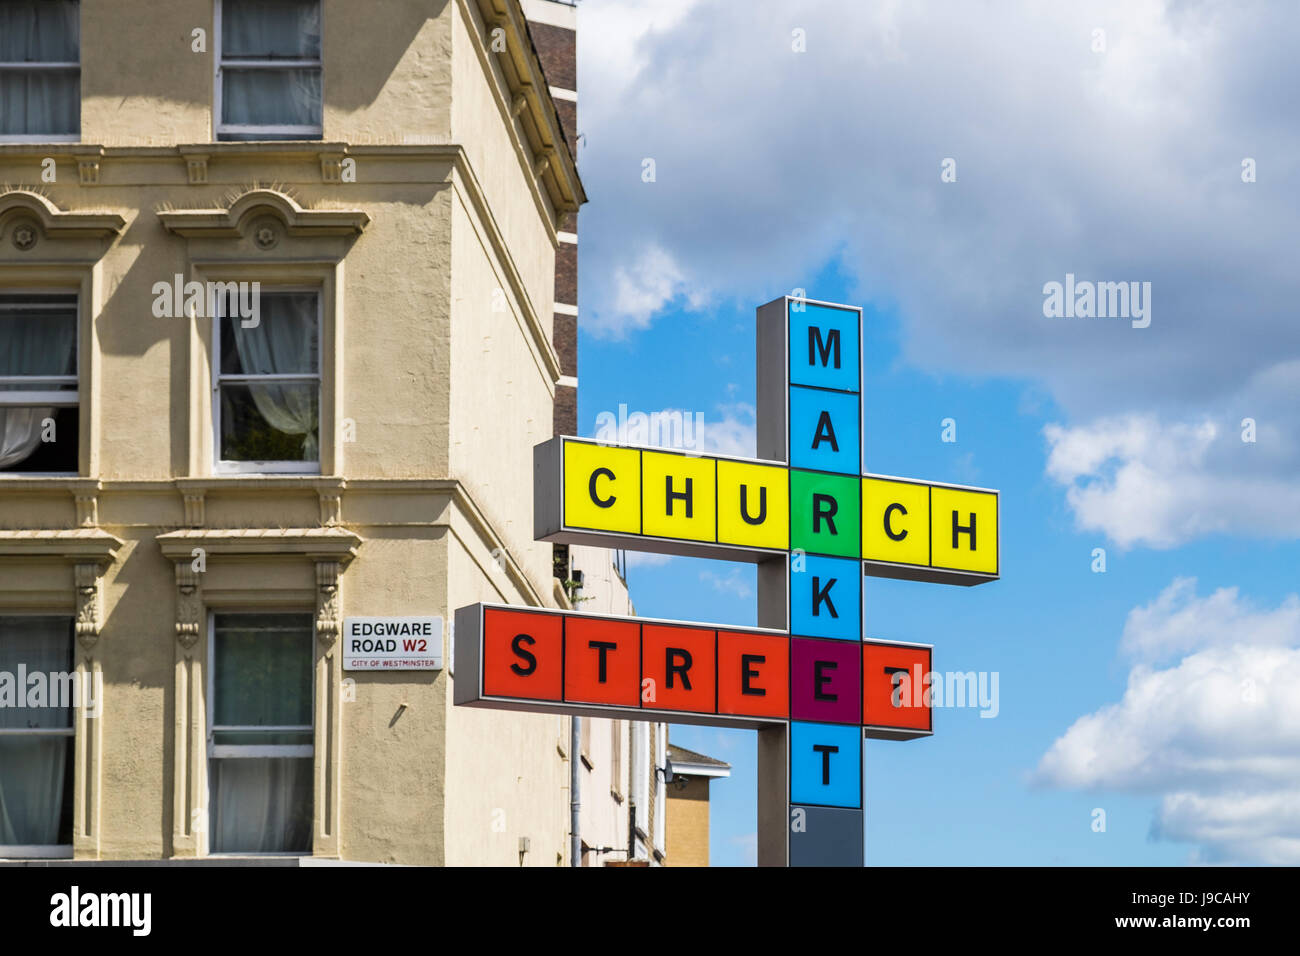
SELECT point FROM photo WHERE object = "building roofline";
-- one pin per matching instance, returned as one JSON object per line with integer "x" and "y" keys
{"x": 688, "y": 763}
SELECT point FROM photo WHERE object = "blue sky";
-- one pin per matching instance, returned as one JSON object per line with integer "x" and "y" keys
{"x": 1158, "y": 691}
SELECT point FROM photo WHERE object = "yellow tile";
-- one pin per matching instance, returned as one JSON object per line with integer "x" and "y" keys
{"x": 679, "y": 499}
{"x": 964, "y": 529}
{"x": 895, "y": 521}
{"x": 764, "y": 521}
{"x": 602, "y": 487}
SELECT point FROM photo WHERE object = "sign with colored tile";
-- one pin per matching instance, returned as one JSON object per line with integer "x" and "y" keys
{"x": 544, "y": 660}
{"x": 808, "y": 512}
{"x": 749, "y": 510}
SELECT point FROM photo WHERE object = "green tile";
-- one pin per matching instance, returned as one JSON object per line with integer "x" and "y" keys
{"x": 833, "y": 502}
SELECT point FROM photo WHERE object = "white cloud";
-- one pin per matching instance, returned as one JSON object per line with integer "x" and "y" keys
{"x": 1216, "y": 734}
{"x": 733, "y": 432}
{"x": 1114, "y": 166}
{"x": 1143, "y": 481}
{"x": 733, "y": 582}
{"x": 1178, "y": 621}
{"x": 1227, "y": 825}
{"x": 643, "y": 287}
{"x": 647, "y": 559}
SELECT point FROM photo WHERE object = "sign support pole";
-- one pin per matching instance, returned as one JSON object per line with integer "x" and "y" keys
{"x": 773, "y": 741}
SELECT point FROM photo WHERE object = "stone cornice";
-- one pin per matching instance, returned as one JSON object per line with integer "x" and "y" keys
{"x": 79, "y": 545}
{"x": 230, "y": 222}
{"x": 550, "y": 156}
{"x": 55, "y": 222}
{"x": 333, "y": 544}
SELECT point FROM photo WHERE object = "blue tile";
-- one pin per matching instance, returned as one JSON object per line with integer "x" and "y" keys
{"x": 825, "y": 433}
{"x": 826, "y": 597}
{"x": 824, "y": 347}
{"x": 826, "y": 764}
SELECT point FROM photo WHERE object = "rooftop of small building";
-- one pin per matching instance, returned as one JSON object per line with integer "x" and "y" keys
{"x": 689, "y": 759}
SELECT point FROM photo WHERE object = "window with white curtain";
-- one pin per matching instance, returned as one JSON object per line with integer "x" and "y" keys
{"x": 36, "y": 737}
{"x": 260, "y": 737}
{"x": 268, "y": 69}
{"x": 267, "y": 385}
{"x": 40, "y": 70}
{"x": 38, "y": 383}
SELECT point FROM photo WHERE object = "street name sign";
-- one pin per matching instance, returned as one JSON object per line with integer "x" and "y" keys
{"x": 640, "y": 668}
{"x": 392, "y": 643}
{"x": 810, "y": 679}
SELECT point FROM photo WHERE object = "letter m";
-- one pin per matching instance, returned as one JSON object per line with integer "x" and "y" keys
{"x": 116, "y": 910}
{"x": 1112, "y": 300}
{"x": 64, "y": 690}
{"x": 224, "y": 296}
{"x": 818, "y": 347}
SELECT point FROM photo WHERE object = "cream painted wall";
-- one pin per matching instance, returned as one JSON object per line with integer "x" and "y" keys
{"x": 447, "y": 398}
{"x": 387, "y": 71}
{"x": 482, "y": 122}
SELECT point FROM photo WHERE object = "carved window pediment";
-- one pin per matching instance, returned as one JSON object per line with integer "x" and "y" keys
{"x": 259, "y": 216}
{"x": 29, "y": 220}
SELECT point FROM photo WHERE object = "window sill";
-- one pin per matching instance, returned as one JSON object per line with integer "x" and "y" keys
{"x": 42, "y": 138}
{"x": 268, "y": 468}
{"x": 270, "y": 136}
{"x": 42, "y": 478}
{"x": 26, "y": 854}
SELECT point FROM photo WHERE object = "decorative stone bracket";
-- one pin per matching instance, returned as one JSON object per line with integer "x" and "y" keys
{"x": 89, "y": 550}
{"x": 189, "y": 605}
{"x": 90, "y": 616}
{"x": 327, "y": 602}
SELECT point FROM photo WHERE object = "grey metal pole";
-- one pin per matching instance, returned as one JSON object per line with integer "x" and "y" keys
{"x": 575, "y": 783}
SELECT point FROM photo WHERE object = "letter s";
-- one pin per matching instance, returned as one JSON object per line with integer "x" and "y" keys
{"x": 524, "y": 655}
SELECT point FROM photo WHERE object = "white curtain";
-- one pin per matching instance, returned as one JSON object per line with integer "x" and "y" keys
{"x": 283, "y": 342}
{"x": 20, "y": 432}
{"x": 31, "y": 345}
{"x": 39, "y": 101}
{"x": 270, "y": 29}
{"x": 261, "y": 805}
{"x": 33, "y": 767}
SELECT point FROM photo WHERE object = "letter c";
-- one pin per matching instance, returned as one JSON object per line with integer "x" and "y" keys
{"x": 889, "y": 530}
{"x": 591, "y": 488}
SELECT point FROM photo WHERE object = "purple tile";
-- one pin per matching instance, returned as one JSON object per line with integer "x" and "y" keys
{"x": 825, "y": 680}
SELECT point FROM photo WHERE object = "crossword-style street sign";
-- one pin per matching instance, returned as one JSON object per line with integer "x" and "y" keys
{"x": 812, "y": 518}
{"x": 682, "y": 672}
